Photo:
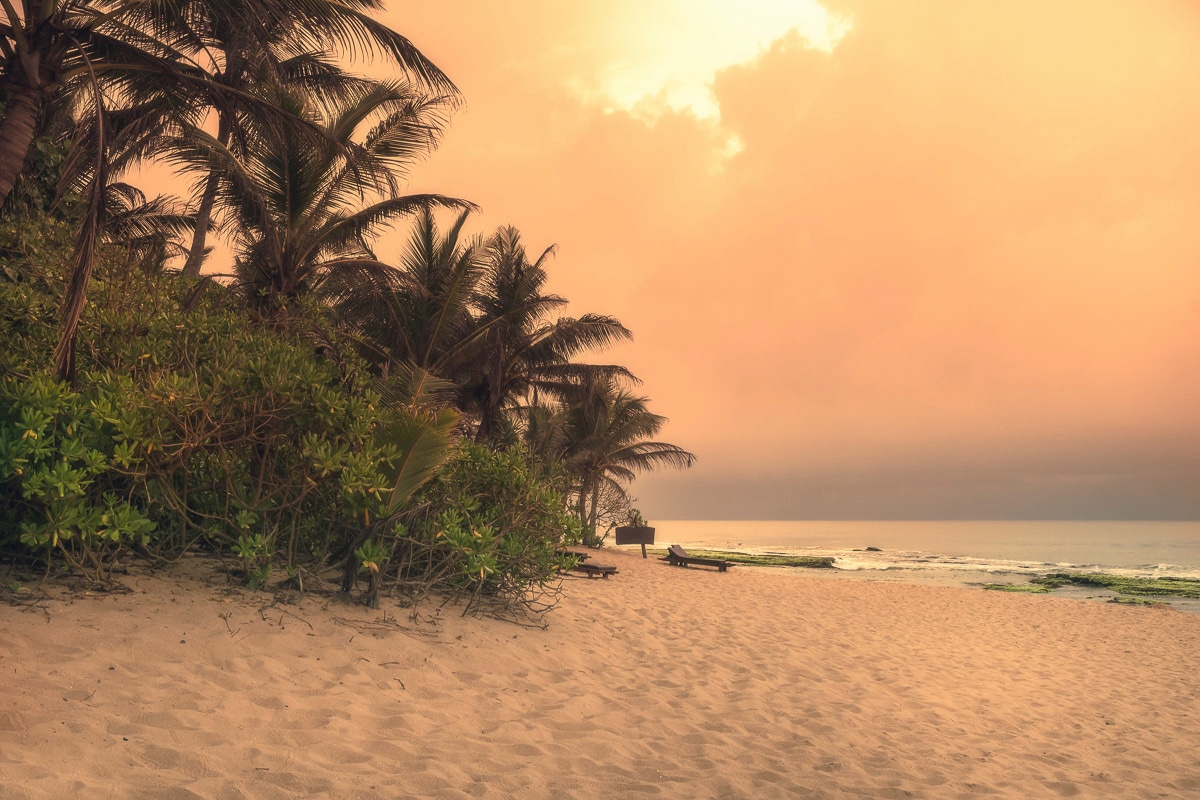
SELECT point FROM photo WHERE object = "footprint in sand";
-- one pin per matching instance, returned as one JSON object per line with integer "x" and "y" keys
{"x": 166, "y": 758}
{"x": 12, "y": 721}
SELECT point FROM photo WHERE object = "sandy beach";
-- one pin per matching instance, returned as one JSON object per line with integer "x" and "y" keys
{"x": 658, "y": 682}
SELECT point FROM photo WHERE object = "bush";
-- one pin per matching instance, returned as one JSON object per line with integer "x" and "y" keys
{"x": 487, "y": 529}
{"x": 59, "y": 493}
{"x": 199, "y": 428}
{"x": 185, "y": 428}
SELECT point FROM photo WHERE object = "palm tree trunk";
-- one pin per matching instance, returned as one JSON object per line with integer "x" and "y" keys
{"x": 83, "y": 259}
{"x": 203, "y": 215}
{"x": 16, "y": 134}
{"x": 75, "y": 297}
{"x": 595, "y": 506}
{"x": 581, "y": 504}
{"x": 489, "y": 415}
{"x": 196, "y": 254}
{"x": 484, "y": 431}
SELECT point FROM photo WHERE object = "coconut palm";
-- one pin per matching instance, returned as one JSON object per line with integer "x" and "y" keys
{"x": 49, "y": 47}
{"x": 299, "y": 207}
{"x": 244, "y": 44}
{"x": 96, "y": 52}
{"x": 53, "y": 49}
{"x": 520, "y": 348}
{"x": 605, "y": 439}
{"x": 473, "y": 315}
{"x": 422, "y": 319}
{"x": 148, "y": 229}
{"x": 35, "y": 39}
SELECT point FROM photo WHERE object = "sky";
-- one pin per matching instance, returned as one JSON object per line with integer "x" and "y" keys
{"x": 883, "y": 259}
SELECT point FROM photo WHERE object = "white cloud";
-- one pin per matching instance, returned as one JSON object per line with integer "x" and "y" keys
{"x": 674, "y": 49}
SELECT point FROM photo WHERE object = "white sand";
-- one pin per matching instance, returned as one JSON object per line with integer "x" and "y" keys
{"x": 660, "y": 682}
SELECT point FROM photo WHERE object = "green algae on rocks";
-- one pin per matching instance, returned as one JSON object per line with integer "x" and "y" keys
{"x": 1136, "y": 601}
{"x": 762, "y": 559}
{"x": 1122, "y": 584}
{"x": 1027, "y": 588}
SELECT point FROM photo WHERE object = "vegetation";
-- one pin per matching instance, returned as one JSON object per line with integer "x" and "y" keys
{"x": 1175, "y": 587}
{"x": 600, "y": 434}
{"x": 416, "y": 424}
{"x": 292, "y": 201}
{"x": 762, "y": 559}
{"x": 1121, "y": 584}
{"x": 1026, "y": 588}
{"x": 1136, "y": 601}
{"x": 492, "y": 527}
{"x": 184, "y": 429}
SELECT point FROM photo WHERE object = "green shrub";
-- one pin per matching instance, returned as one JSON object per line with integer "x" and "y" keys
{"x": 489, "y": 530}
{"x": 186, "y": 428}
{"x": 193, "y": 426}
{"x": 60, "y": 491}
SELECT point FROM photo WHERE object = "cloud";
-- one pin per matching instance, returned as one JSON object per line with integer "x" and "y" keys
{"x": 671, "y": 51}
{"x": 963, "y": 234}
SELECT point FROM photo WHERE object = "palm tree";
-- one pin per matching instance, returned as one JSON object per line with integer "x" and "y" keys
{"x": 34, "y": 42}
{"x": 56, "y": 48}
{"x": 148, "y": 229}
{"x": 295, "y": 46}
{"x": 520, "y": 349}
{"x": 420, "y": 440}
{"x": 299, "y": 206}
{"x": 604, "y": 441}
{"x": 473, "y": 316}
{"x": 49, "y": 47}
{"x": 421, "y": 320}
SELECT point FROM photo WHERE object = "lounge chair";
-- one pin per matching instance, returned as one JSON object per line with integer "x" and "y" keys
{"x": 678, "y": 557}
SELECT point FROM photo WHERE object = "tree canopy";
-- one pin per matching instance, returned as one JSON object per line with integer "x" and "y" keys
{"x": 427, "y": 416}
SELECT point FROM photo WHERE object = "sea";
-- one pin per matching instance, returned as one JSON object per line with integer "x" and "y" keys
{"x": 969, "y": 553}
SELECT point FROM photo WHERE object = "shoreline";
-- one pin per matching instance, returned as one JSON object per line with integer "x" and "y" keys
{"x": 960, "y": 578}
{"x": 977, "y": 581}
{"x": 1032, "y": 547}
{"x": 660, "y": 680}
{"x": 951, "y": 571}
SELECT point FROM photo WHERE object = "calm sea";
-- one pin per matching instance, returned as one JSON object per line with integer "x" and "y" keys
{"x": 960, "y": 552}
{"x": 1149, "y": 548}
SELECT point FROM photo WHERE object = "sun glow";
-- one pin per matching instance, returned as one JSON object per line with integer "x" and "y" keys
{"x": 672, "y": 50}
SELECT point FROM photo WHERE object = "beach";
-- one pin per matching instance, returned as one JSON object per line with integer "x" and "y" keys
{"x": 657, "y": 682}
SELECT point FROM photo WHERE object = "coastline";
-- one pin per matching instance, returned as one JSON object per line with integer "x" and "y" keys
{"x": 975, "y": 581}
{"x": 660, "y": 680}
{"x": 1023, "y": 546}
{"x": 967, "y": 553}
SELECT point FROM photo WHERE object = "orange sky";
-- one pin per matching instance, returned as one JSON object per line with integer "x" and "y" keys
{"x": 917, "y": 258}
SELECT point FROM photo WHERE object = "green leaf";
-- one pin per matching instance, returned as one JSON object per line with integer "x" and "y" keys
{"x": 423, "y": 442}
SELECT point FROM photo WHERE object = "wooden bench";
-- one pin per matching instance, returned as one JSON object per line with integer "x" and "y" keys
{"x": 678, "y": 557}
{"x": 593, "y": 570}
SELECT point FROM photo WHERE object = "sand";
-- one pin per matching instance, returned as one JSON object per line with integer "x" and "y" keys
{"x": 658, "y": 682}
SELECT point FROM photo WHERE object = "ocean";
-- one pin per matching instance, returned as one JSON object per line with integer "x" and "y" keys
{"x": 962, "y": 552}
